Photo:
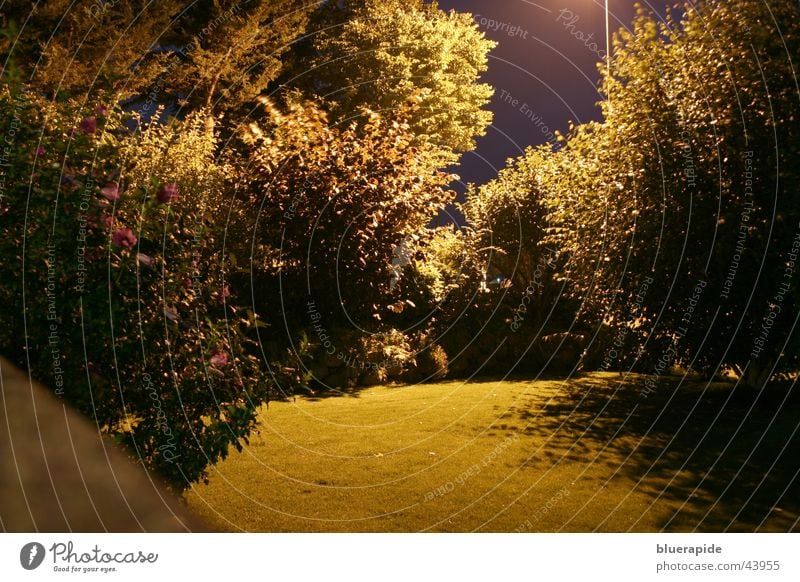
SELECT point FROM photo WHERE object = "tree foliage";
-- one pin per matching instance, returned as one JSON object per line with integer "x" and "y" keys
{"x": 690, "y": 184}
{"x": 216, "y": 55}
{"x": 510, "y": 220}
{"x": 331, "y": 204}
{"x": 76, "y": 49}
{"x": 378, "y": 55}
{"x": 230, "y": 51}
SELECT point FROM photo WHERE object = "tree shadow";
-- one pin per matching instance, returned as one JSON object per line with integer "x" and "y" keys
{"x": 319, "y": 391}
{"x": 316, "y": 393}
{"x": 717, "y": 456}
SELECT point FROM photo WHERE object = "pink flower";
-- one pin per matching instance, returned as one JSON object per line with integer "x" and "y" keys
{"x": 167, "y": 193}
{"x": 110, "y": 191}
{"x": 218, "y": 358}
{"x": 145, "y": 260}
{"x": 101, "y": 109}
{"x": 89, "y": 125}
{"x": 107, "y": 220}
{"x": 171, "y": 313}
{"x": 224, "y": 293}
{"x": 39, "y": 152}
{"x": 124, "y": 238}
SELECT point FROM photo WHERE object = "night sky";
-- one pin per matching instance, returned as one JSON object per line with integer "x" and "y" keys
{"x": 547, "y": 61}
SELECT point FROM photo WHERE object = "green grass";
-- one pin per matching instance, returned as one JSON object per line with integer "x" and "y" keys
{"x": 585, "y": 454}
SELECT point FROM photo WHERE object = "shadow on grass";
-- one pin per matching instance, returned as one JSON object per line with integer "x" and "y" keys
{"x": 721, "y": 457}
{"x": 317, "y": 391}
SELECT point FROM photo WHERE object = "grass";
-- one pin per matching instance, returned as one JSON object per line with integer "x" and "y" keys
{"x": 584, "y": 454}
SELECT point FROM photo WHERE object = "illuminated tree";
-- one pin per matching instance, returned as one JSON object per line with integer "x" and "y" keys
{"x": 230, "y": 51}
{"x": 379, "y": 54}
{"x": 690, "y": 182}
{"x": 209, "y": 54}
{"x": 74, "y": 49}
{"x": 328, "y": 205}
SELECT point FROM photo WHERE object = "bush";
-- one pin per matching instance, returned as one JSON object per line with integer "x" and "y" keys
{"x": 355, "y": 359}
{"x": 328, "y": 206}
{"x": 430, "y": 362}
{"x": 115, "y": 289}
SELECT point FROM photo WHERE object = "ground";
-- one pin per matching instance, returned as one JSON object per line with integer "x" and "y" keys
{"x": 592, "y": 453}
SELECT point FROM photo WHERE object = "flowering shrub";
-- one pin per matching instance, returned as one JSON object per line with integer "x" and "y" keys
{"x": 115, "y": 289}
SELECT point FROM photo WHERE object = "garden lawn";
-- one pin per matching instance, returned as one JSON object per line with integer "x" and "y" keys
{"x": 591, "y": 453}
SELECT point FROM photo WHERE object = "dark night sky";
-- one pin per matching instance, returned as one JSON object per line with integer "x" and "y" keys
{"x": 545, "y": 66}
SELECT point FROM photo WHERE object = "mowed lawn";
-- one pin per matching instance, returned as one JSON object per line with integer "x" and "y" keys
{"x": 585, "y": 454}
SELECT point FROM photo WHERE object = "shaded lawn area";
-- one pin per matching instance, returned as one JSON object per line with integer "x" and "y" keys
{"x": 585, "y": 454}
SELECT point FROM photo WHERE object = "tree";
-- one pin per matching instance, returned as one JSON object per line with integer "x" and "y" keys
{"x": 68, "y": 49}
{"x": 508, "y": 215}
{"x": 379, "y": 54}
{"x": 520, "y": 313}
{"x": 689, "y": 188}
{"x": 212, "y": 55}
{"x": 228, "y": 52}
{"x": 328, "y": 206}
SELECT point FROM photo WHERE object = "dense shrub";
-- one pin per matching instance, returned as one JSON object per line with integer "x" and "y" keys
{"x": 496, "y": 290}
{"x": 316, "y": 224}
{"x": 331, "y": 204}
{"x": 115, "y": 291}
{"x": 678, "y": 214}
{"x": 429, "y": 361}
{"x": 357, "y": 360}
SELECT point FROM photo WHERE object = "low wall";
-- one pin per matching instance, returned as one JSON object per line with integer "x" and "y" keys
{"x": 58, "y": 474}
